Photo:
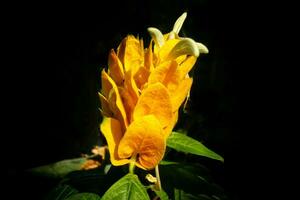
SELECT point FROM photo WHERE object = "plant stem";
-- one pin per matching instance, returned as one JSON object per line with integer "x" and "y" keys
{"x": 158, "y": 177}
{"x": 132, "y": 164}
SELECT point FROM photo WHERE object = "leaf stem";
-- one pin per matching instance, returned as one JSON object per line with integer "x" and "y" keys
{"x": 158, "y": 178}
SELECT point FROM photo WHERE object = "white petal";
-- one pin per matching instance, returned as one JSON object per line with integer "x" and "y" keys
{"x": 185, "y": 46}
{"x": 202, "y": 48}
{"x": 179, "y": 22}
{"x": 157, "y": 36}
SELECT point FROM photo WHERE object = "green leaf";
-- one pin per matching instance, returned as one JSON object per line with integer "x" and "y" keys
{"x": 95, "y": 180}
{"x": 61, "y": 192}
{"x": 92, "y": 181}
{"x": 161, "y": 194}
{"x": 186, "y": 144}
{"x": 59, "y": 169}
{"x": 128, "y": 187}
{"x": 84, "y": 196}
{"x": 181, "y": 195}
{"x": 193, "y": 179}
{"x": 166, "y": 162}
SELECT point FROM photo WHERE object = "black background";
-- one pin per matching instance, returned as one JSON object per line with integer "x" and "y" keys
{"x": 56, "y": 53}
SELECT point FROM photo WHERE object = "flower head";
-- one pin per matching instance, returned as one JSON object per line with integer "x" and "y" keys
{"x": 142, "y": 92}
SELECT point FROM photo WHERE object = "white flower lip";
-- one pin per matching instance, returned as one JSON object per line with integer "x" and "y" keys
{"x": 157, "y": 36}
{"x": 202, "y": 48}
{"x": 186, "y": 46}
{"x": 179, "y": 22}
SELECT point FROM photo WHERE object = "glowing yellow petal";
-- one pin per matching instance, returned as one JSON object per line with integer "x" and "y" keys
{"x": 142, "y": 47}
{"x": 131, "y": 53}
{"x": 141, "y": 77}
{"x": 105, "y": 106}
{"x": 121, "y": 50}
{"x": 129, "y": 103}
{"x": 168, "y": 130}
{"x": 166, "y": 49}
{"x": 186, "y": 66}
{"x": 178, "y": 95}
{"x": 106, "y": 86}
{"x": 134, "y": 55}
{"x": 181, "y": 58}
{"x": 168, "y": 74}
{"x": 173, "y": 77}
{"x": 149, "y": 58}
{"x": 155, "y": 99}
{"x": 131, "y": 86}
{"x": 117, "y": 108}
{"x": 163, "y": 73}
{"x": 144, "y": 139}
{"x": 129, "y": 95}
{"x": 112, "y": 132}
{"x": 115, "y": 102}
{"x": 115, "y": 68}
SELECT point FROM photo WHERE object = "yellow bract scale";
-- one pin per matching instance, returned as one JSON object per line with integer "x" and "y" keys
{"x": 115, "y": 68}
{"x": 163, "y": 73}
{"x": 111, "y": 130}
{"x": 177, "y": 98}
{"x": 154, "y": 100}
{"x": 115, "y": 101}
{"x": 105, "y": 106}
{"x": 142, "y": 93}
{"x": 143, "y": 139}
{"x": 148, "y": 61}
{"x": 131, "y": 53}
{"x": 165, "y": 50}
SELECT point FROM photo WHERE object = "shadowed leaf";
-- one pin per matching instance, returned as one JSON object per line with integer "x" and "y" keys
{"x": 61, "y": 192}
{"x": 94, "y": 181}
{"x": 181, "y": 195}
{"x": 59, "y": 169}
{"x": 193, "y": 179}
{"x": 84, "y": 196}
{"x": 161, "y": 194}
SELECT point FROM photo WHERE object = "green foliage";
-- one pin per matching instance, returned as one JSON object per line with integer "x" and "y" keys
{"x": 84, "y": 196}
{"x": 94, "y": 181}
{"x": 61, "y": 192}
{"x": 190, "y": 178}
{"x": 161, "y": 194}
{"x": 186, "y": 144}
{"x": 128, "y": 187}
{"x": 181, "y": 195}
{"x": 179, "y": 180}
{"x": 59, "y": 169}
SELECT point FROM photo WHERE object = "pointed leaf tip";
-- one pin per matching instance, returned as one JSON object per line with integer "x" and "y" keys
{"x": 128, "y": 187}
{"x": 186, "y": 144}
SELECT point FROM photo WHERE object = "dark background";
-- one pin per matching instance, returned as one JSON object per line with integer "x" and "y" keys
{"x": 57, "y": 53}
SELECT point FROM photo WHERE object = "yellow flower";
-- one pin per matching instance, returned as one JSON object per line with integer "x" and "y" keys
{"x": 142, "y": 92}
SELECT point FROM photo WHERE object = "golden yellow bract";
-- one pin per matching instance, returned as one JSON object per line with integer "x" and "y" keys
{"x": 155, "y": 100}
{"x": 142, "y": 92}
{"x": 144, "y": 140}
